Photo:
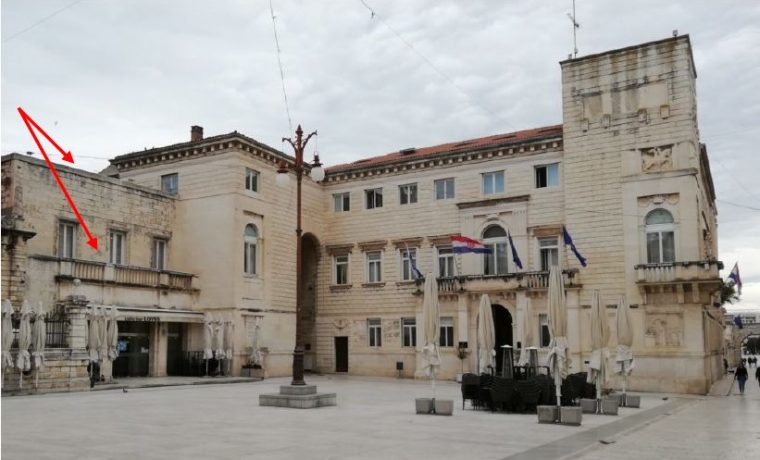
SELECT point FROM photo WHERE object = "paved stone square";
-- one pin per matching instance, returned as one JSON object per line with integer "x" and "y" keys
{"x": 374, "y": 419}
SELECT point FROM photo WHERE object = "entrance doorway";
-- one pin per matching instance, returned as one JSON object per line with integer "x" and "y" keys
{"x": 134, "y": 349}
{"x": 174, "y": 355}
{"x": 502, "y": 322}
{"x": 341, "y": 354}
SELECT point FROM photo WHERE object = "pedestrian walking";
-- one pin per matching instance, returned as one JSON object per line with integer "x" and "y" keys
{"x": 741, "y": 375}
{"x": 725, "y": 366}
{"x": 757, "y": 375}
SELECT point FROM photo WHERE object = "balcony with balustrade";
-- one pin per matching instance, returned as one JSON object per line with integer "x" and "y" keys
{"x": 692, "y": 281}
{"x": 113, "y": 284}
{"x": 531, "y": 281}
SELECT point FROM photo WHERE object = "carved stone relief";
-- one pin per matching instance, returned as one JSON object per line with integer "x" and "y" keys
{"x": 664, "y": 330}
{"x": 655, "y": 159}
{"x": 658, "y": 200}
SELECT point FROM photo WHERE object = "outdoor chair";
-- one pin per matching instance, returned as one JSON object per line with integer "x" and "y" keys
{"x": 548, "y": 389}
{"x": 502, "y": 393}
{"x": 471, "y": 389}
{"x": 529, "y": 395}
{"x": 484, "y": 390}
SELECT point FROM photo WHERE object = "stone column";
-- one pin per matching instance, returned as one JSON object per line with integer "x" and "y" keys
{"x": 158, "y": 349}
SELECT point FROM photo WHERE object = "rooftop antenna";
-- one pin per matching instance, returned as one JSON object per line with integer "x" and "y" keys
{"x": 576, "y": 26}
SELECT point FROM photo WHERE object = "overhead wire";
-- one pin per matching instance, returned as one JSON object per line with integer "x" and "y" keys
{"x": 279, "y": 62}
{"x": 40, "y": 21}
{"x": 433, "y": 66}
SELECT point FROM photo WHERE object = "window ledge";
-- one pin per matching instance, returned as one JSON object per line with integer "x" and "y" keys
{"x": 406, "y": 283}
{"x": 373, "y": 285}
{"x": 251, "y": 277}
{"x": 340, "y": 287}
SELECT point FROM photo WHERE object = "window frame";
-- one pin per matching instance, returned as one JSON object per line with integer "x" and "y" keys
{"x": 492, "y": 178}
{"x": 251, "y": 250}
{"x": 168, "y": 190}
{"x": 546, "y": 168}
{"x": 374, "y": 332}
{"x": 252, "y": 180}
{"x": 121, "y": 260}
{"x": 543, "y": 330}
{"x": 447, "y": 332}
{"x": 336, "y": 278}
{"x": 410, "y": 325}
{"x": 164, "y": 254}
{"x": 61, "y": 249}
{"x": 660, "y": 229}
{"x": 375, "y": 193}
{"x": 541, "y": 250}
{"x": 450, "y": 258}
{"x": 499, "y": 251}
{"x": 408, "y": 191}
{"x": 446, "y": 188}
{"x": 406, "y": 271}
{"x": 344, "y": 198}
{"x": 368, "y": 266}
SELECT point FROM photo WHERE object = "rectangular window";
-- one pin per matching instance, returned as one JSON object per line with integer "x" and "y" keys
{"x": 374, "y": 198}
{"x": 493, "y": 182}
{"x": 342, "y": 201}
{"x": 375, "y": 332}
{"x": 547, "y": 175}
{"x": 251, "y": 180}
{"x": 496, "y": 263}
{"x": 118, "y": 247}
{"x": 407, "y": 193}
{"x": 445, "y": 262}
{"x": 249, "y": 256}
{"x": 408, "y": 261}
{"x": 548, "y": 252}
{"x": 170, "y": 183}
{"x": 408, "y": 332}
{"x": 543, "y": 330}
{"x": 66, "y": 239}
{"x": 374, "y": 267}
{"x": 447, "y": 332}
{"x": 159, "y": 254}
{"x": 661, "y": 247}
{"x": 341, "y": 269}
{"x": 444, "y": 188}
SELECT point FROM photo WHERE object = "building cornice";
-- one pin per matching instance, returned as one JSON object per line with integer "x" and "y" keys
{"x": 493, "y": 201}
{"x": 358, "y": 171}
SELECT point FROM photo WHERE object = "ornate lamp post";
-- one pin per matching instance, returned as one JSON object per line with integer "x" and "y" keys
{"x": 317, "y": 174}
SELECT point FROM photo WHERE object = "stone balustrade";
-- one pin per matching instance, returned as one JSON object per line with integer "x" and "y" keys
{"x": 701, "y": 270}
{"x": 538, "y": 280}
{"x": 88, "y": 271}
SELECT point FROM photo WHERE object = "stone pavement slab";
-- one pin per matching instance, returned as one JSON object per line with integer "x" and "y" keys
{"x": 374, "y": 418}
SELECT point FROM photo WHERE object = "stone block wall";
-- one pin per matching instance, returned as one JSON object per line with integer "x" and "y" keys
{"x": 64, "y": 370}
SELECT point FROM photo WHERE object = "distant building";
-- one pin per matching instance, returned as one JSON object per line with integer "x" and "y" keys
{"x": 200, "y": 227}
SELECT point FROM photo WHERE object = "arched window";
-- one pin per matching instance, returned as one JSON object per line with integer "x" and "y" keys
{"x": 660, "y": 231}
{"x": 250, "y": 239}
{"x": 495, "y": 239}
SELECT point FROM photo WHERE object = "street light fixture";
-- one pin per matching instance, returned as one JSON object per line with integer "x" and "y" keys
{"x": 282, "y": 180}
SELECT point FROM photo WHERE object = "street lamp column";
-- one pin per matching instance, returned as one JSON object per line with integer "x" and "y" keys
{"x": 317, "y": 174}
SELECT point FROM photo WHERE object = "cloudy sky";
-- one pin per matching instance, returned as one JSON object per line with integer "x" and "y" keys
{"x": 110, "y": 77}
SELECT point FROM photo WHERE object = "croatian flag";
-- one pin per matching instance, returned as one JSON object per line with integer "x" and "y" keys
{"x": 462, "y": 245}
{"x": 734, "y": 275}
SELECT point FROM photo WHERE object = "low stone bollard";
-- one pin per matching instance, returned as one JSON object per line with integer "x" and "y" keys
{"x": 632, "y": 401}
{"x": 424, "y": 405}
{"x": 610, "y": 406}
{"x": 570, "y": 416}
{"x": 588, "y": 406}
{"x": 444, "y": 406}
{"x": 547, "y": 414}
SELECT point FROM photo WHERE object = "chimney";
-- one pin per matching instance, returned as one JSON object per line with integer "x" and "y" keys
{"x": 196, "y": 133}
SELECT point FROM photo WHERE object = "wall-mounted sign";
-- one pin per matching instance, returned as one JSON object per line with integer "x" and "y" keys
{"x": 144, "y": 319}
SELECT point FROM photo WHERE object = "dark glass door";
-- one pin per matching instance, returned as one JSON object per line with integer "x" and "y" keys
{"x": 174, "y": 349}
{"x": 341, "y": 354}
{"x": 134, "y": 349}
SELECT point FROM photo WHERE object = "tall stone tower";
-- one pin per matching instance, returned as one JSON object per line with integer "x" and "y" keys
{"x": 635, "y": 173}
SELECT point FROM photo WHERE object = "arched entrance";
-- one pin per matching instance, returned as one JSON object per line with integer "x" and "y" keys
{"x": 502, "y": 323}
{"x": 308, "y": 301}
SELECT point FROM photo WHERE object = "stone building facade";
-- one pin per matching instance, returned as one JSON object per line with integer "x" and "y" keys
{"x": 625, "y": 173}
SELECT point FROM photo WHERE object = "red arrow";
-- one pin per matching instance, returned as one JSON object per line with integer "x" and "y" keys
{"x": 66, "y": 155}
{"x": 91, "y": 241}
